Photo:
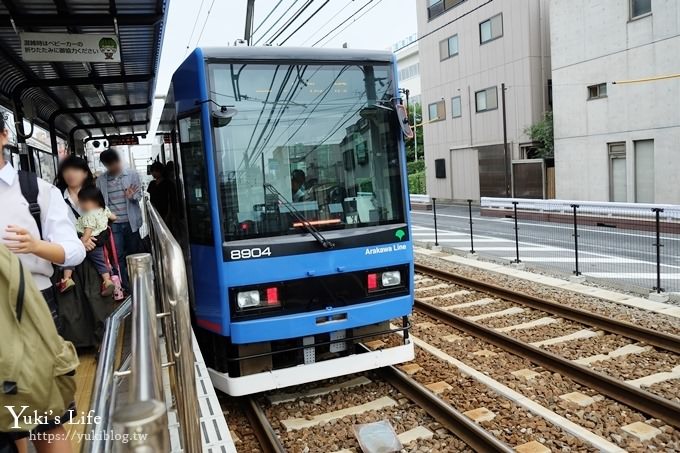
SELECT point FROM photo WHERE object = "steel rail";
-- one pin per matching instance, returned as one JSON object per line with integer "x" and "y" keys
{"x": 660, "y": 340}
{"x": 615, "y": 389}
{"x": 458, "y": 424}
{"x": 269, "y": 441}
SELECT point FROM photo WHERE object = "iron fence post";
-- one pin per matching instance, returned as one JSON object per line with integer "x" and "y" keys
{"x": 472, "y": 240}
{"x": 434, "y": 213}
{"x": 577, "y": 271}
{"x": 517, "y": 260}
{"x": 658, "y": 245}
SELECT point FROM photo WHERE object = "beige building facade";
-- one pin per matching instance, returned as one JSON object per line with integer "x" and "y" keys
{"x": 617, "y": 141}
{"x": 468, "y": 50}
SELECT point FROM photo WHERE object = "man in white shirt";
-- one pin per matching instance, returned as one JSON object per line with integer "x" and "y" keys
{"x": 19, "y": 231}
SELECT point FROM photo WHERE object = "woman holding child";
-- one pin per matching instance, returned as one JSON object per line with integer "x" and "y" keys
{"x": 84, "y": 291}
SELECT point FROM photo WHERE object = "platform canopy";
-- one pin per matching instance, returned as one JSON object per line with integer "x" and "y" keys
{"x": 81, "y": 68}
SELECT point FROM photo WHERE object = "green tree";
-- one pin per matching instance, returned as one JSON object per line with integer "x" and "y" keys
{"x": 411, "y": 144}
{"x": 542, "y": 134}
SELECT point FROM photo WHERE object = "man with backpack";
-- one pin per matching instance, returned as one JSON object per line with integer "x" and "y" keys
{"x": 34, "y": 224}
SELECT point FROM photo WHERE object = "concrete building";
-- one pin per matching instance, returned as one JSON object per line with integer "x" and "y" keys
{"x": 468, "y": 48}
{"x": 408, "y": 65}
{"x": 616, "y": 142}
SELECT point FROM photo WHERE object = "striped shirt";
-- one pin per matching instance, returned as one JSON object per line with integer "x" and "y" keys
{"x": 117, "y": 202}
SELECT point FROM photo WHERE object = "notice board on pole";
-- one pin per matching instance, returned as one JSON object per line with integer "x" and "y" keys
{"x": 70, "y": 47}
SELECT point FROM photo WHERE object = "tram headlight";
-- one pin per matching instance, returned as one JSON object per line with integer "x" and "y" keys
{"x": 248, "y": 299}
{"x": 391, "y": 278}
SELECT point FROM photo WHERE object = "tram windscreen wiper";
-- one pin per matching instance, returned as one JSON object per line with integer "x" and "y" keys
{"x": 300, "y": 217}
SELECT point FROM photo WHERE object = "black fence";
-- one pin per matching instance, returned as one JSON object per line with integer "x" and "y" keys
{"x": 631, "y": 245}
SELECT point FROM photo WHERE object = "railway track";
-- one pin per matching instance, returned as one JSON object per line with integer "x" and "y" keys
{"x": 616, "y": 389}
{"x": 459, "y": 425}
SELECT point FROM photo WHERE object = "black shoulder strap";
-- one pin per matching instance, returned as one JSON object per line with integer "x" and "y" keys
{"x": 76, "y": 214}
{"x": 29, "y": 189}
{"x": 20, "y": 292}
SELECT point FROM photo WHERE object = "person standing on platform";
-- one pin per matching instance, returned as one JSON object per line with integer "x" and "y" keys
{"x": 121, "y": 188}
{"x": 34, "y": 225}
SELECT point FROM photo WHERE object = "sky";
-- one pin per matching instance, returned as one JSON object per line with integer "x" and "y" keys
{"x": 195, "y": 23}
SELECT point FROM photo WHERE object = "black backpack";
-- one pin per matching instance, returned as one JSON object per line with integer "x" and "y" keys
{"x": 29, "y": 189}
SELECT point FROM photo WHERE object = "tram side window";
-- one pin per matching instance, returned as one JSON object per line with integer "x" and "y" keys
{"x": 195, "y": 180}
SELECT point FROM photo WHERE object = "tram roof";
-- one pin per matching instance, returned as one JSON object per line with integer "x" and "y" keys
{"x": 295, "y": 53}
{"x": 87, "y": 99}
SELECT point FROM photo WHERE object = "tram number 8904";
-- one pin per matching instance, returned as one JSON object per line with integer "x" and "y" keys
{"x": 244, "y": 254}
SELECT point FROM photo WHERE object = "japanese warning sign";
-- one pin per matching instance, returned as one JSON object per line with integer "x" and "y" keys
{"x": 70, "y": 47}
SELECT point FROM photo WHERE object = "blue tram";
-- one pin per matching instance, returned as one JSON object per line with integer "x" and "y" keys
{"x": 292, "y": 170}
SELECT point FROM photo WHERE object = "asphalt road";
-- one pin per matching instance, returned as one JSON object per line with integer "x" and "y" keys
{"x": 626, "y": 257}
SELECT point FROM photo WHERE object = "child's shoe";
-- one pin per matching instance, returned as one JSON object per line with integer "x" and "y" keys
{"x": 65, "y": 285}
{"x": 107, "y": 288}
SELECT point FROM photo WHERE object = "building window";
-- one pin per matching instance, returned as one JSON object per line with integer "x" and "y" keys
{"x": 440, "y": 168}
{"x": 409, "y": 72}
{"x": 639, "y": 8}
{"x": 618, "y": 179}
{"x": 456, "y": 107}
{"x": 644, "y": 171}
{"x": 598, "y": 91}
{"x": 437, "y": 111}
{"x": 448, "y": 48}
{"x": 438, "y": 7}
{"x": 486, "y": 100}
{"x": 491, "y": 29}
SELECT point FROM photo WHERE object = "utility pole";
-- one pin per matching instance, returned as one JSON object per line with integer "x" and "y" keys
{"x": 415, "y": 133}
{"x": 250, "y": 16}
{"x": 505, "y": 142}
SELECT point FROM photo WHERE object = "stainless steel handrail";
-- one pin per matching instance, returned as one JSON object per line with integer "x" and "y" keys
{"x": 146, "y": 382}
{"x": 143, "y": 420}
{"x": 172, "y": 278}
{"x": 105, "y": 380}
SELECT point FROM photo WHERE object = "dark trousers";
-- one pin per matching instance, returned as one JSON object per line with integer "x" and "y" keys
{"x": 51, "y": 300}
{"x": 96, "y": 256}
{"x": 127, "y": 243}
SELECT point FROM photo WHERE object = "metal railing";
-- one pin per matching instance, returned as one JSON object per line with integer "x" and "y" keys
{"x": 635, "y": 246}
{"x": 141, "y": 423}
{"x": 171, "y": 279}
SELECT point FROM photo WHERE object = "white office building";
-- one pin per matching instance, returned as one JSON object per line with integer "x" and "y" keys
{"x": 616, "y": 141}
{"x": 468, "y": 49}
{"x": 408, "y": 65}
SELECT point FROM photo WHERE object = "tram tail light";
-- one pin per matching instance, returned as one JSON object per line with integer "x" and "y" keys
{"x": 372, "y": 282}
{"x": 273, "y": 296}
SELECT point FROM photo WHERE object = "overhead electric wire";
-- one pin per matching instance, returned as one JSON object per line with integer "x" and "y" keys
{"x": 276, "y": 23}
{"x": 445, "y": 25}
{"x": 343, "y": 22}
{"x": 268, "y": 16}
{"x": 193, "y": 29}
{"x": 207, "y": 16}
{"x": 352, "y": 23}
{"x": 305, "y": 22}
{"x": 326, "y": 23}
{"x": 290, "y": 21}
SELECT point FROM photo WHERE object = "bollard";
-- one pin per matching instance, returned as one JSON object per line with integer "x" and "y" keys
{"x": 658, "y": 245}
{"x": 434, "y": 213}
{"x": 514, "y": 204}
{"x": 577, "y": 272}
{"x": 472, "y": 241}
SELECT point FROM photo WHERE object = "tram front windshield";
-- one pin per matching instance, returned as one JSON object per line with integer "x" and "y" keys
{"x": 319, "y": 142}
